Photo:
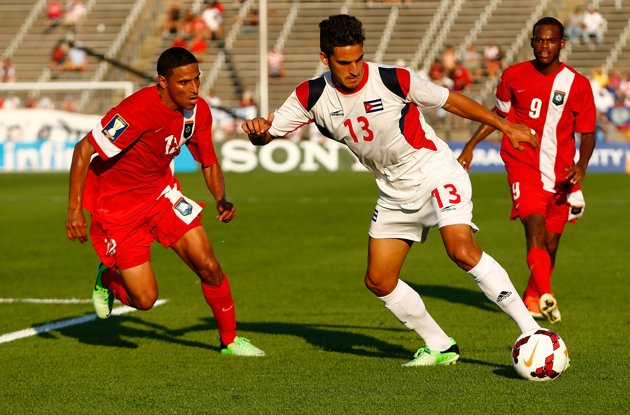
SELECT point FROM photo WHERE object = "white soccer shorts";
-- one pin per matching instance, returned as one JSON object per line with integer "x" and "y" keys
{"x": 450, "y": 204}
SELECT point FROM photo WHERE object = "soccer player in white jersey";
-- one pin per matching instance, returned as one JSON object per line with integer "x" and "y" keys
{"x": 375, "y": 111}
{"x": 556, "y": 102}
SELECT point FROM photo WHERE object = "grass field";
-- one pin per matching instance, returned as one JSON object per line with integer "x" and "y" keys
{"x": 296, "y": 255}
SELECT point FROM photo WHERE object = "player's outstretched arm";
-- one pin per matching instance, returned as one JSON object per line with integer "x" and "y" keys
{"x": 257, "y": 130}
{"x": 463, "y": 106}
{"x": 76, "y": 227}
{"x": 466, "y": 156}
{"x": 576, "y": 172}
{"x": 213, "y": 175}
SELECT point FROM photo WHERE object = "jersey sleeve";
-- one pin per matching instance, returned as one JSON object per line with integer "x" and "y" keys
{"x": 200, "y": 144}
{"x": 585, "y": 119}
{"x": 504, "y": 98}
{"x": 295, "y": 111}
{"x": 424, "y": 93}
{"x": 118, "y": 129}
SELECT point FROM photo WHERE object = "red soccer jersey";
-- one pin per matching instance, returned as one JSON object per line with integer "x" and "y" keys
{"x": 556, "y": 106}
{"x": 136, "y": 142}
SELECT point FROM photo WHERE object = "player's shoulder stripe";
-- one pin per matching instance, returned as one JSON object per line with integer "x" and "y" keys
{"x": 309, "y": 92}
{"x": 396, "y": 80}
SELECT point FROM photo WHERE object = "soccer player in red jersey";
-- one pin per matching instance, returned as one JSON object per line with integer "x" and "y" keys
{"x": 122, "y": 173}
{"x": 374, "y": 110}
{"x": 556, "y": 102}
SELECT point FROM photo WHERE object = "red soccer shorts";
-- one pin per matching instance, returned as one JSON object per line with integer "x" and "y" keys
{"x": 126, "y": 246}
{"x": 528, "y": 198}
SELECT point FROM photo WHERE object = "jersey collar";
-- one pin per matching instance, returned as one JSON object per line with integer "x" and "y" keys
{"x": 364, "y": 80}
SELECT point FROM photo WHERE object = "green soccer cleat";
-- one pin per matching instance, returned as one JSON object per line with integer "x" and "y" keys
{"x": 549, "y": 308}
{"x": 241, "y": 347}
{"x": 102, "y": 298}
{"x": 433, "y": 357}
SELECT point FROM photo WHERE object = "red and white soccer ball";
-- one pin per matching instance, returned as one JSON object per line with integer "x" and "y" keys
{"x": 540, "y": 355}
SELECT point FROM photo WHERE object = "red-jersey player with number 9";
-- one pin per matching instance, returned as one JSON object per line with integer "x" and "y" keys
{"x": 122, "y": 173}
{"x": 556, "y": 102}
{"x": 375, "y": 110}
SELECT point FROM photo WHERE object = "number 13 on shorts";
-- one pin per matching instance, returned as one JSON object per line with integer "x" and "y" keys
{"x": 446, "y": 195}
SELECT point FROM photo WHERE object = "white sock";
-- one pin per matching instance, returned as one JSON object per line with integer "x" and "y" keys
{"x": 408, "y": 307}
{"x": 496, "y": 285}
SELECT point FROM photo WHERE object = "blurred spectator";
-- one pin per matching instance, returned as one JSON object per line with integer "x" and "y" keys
{"x": 45, "y": 103}
{"x": 7, "y": 71}
{"x": 573, "y": 28}
{"x": 77, "y": 58}
{"x": 472, "y": 61}
{"x": 54, "y": 12}
{"x": 218, "y": 116}
{"x": 614, "y": 82}
{"x": 173, "y": 24}
{"x": 246, "y": 108}
{"x": 75, "y": 14}
{"x": 275, "y": 63}
{"x": 462, "y": 78}
{"x": 69, "y": 103}
{"x": 448, "y": 59}
{"x": 250, "y": 23}
{"x": 438, "y": 76}
{"x": 594, "y": 26}
{"x": 604, "y": 100}
{"x": 599, "y": 76}
{"x": 624, "y": 89}
{"x": 59, "y": 57}
{"x": 12, "y": 102}
{"x": 193, "y": 25}
{"x": 198, "y": 47}
{"x": 179, "y": 41}
{"x": 212, "y": 15}
{"x": 492, "y": 60}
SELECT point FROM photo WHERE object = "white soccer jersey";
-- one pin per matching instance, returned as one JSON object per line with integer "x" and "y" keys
{"x": 381, "y": 124}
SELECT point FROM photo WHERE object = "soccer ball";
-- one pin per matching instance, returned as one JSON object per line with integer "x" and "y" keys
{"x": 540, "y": 355}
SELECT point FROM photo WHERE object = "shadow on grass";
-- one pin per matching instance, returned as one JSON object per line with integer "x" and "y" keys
{"x": 125, "y": 331}
{"x": 505, "y": 371}
{"x": 455, "y": 295}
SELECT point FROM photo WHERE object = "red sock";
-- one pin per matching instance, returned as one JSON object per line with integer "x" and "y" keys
{"x": 114, "y": 283}
{"x": 531, "y": 290}
{"x": 220, "y": 301}
{"x": 540, "y": 266}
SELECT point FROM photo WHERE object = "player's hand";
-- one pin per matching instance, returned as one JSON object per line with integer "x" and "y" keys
{"x": 256, "y": 129}
{"x": 465, "y": 158}
{"x": 76, "y": 227}
{"x": 226, "y": 211}
{"x": 575, "y": 173}
{"x": 518, "y": 134}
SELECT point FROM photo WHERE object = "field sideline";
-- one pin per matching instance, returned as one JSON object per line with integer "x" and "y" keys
{"x": 296, "y": 256}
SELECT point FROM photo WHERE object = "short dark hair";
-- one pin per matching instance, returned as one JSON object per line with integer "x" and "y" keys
{"x": 549, "y": 21}
{"x": 340, "y": 30}
{"x": 174, "y": 58}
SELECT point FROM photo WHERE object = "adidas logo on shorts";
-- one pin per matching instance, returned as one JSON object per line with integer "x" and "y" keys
{"x": 375, "y": 215}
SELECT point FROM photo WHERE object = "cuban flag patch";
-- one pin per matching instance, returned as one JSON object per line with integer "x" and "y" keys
{"x": 558, "y": 97}
{"x": 373, "y": 105}
{"x": 115, "y": 127}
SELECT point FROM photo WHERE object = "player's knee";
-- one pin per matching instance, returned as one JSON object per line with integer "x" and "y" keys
{"x": 380, "y": 285}
{"x": 464, "y": 256}
{"x": 210, "y": 272}
{"x": 145, "y": 301}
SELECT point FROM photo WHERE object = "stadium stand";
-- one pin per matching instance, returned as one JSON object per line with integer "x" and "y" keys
{"x": 416, "y": 33}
